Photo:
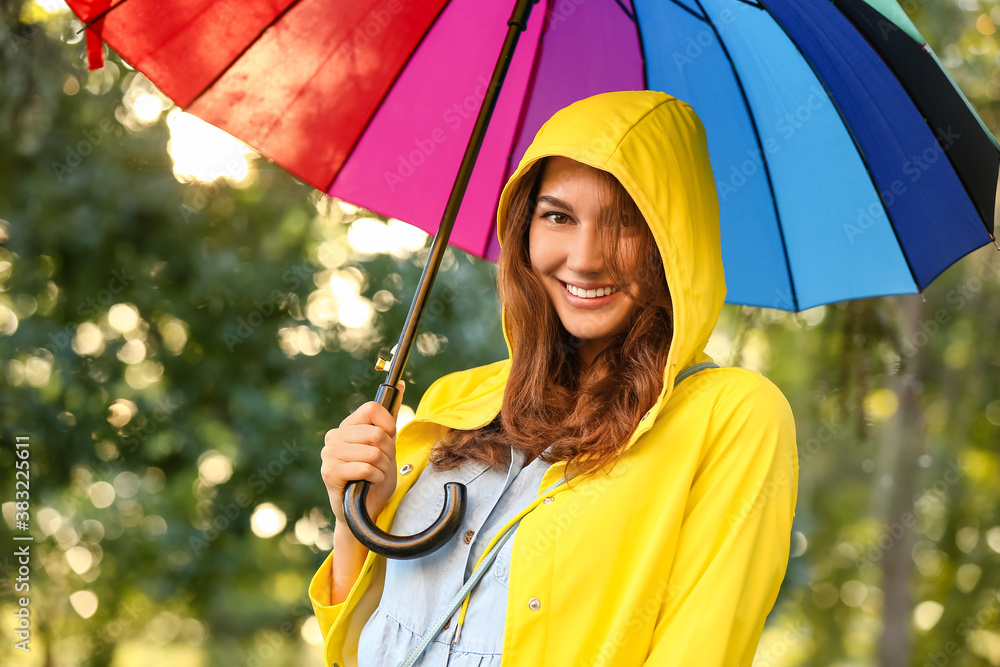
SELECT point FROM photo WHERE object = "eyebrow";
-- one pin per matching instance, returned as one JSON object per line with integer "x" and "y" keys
{"x": 554, "y": 201}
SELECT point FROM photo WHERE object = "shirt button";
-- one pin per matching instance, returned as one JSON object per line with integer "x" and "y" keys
{"x": 548, "y": 499}
{"x": 405, "y": 469}
{"x": 468, "y": 536}
{"x": 534, "y": 604}
{"x": 446, "y": 624}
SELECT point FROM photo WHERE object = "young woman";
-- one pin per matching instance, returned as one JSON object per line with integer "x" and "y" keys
{"x": 637, "y": 519}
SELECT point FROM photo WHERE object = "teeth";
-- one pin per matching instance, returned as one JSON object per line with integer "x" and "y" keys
{"x": 590, "y": 293}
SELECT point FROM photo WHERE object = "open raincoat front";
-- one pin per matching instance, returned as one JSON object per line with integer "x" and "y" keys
{"x": 677, "y": 555}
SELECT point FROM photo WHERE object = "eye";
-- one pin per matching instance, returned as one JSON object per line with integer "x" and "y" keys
{"x": 555, "y": 217}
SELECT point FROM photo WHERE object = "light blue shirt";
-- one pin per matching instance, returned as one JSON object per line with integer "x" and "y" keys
{"x": 417, "y": 591}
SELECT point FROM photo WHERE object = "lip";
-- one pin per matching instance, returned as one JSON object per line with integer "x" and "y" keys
{"x": 589, "y": 304}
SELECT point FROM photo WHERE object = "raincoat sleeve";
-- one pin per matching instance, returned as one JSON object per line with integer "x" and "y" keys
{"x": 341, "y": 624}
{"x": 733, "y": 547}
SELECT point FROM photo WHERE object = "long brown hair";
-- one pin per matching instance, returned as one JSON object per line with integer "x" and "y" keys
{"x": 586, "y": 414}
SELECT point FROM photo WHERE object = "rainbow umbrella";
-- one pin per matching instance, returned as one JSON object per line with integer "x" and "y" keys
{"x": 848, "y": 163}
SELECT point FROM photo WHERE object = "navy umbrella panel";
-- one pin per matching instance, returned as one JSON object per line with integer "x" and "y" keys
{"x": 832, "y": 172}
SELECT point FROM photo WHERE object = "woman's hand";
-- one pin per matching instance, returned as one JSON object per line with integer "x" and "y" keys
{"x": 363, "y": 448}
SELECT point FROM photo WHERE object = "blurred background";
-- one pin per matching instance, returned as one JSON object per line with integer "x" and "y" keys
{"x": 181, "y": 322}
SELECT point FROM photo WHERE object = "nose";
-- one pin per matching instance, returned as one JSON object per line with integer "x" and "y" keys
{"x": 585, "y": 254}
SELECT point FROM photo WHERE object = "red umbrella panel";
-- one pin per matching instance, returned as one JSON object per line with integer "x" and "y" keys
{"x": 376, "y": 107}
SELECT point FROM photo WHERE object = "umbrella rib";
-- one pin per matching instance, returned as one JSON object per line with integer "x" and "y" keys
{"x": 856, "y": 21}
{"x": 642, "y": 53}
{"x": 760, "y": 147}
{"x": 239, "y": 55}
{"x": 522, "y": 114}
{"x": 378, "y": 106}
{"x": 624, "y": 9}
{"x": 101, "y": 16}
{"x": 857, "y": 147}
{"x": 690, "y": 11}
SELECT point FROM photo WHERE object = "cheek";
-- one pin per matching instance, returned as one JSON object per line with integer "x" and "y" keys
{"x": 542, "y": 252}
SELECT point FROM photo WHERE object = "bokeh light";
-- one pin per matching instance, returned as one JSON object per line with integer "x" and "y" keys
{"x": 214, "y": 468}
{"x": 84, "y": 603}
{"x": 203, "y": 152}
{"x": 267, "y": 520}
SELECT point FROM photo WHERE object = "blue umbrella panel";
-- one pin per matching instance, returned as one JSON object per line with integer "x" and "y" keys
{"x": 848, "y": 163}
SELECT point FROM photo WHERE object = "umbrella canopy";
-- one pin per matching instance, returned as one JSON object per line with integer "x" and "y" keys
{"x": 848, "y": 163}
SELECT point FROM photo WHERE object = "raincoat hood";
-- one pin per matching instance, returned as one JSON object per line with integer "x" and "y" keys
{"x": 655, "y": 145}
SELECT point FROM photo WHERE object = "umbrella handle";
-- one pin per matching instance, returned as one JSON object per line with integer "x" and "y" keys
{"x": 402, "y": 547}
{"x": 355, "y": 492}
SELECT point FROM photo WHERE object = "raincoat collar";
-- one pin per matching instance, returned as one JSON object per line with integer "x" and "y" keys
{"x": 656, "y": 146}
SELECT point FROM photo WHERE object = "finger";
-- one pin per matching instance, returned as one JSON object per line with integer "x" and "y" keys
{"x": 360, "y": 471}
{"x": 373, "y": 413}
{"x": 354, "y": 453}
{"x": 367, "y": 434}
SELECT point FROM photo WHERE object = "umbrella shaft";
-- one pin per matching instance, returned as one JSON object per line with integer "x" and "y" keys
{"x": 518, "y": 22}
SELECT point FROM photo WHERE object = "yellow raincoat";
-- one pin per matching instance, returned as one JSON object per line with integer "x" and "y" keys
{"x": 676, "y": 556}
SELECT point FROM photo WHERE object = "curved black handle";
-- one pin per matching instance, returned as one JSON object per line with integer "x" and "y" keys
{"x": 403, "y": 547}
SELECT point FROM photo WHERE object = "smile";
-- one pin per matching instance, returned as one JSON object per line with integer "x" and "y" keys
{"x": 581, "y": 293}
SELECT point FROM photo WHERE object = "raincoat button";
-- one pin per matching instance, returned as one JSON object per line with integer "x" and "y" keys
{"x": 534, "y": 604}
{"x": 405, "y": 469}
{"x": 468, "y": 536}
{"x": 646, "y": 416}
{"x": 548, "y": 499}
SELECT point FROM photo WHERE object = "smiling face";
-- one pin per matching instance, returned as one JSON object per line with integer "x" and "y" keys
{"x": 567, "y": 254}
